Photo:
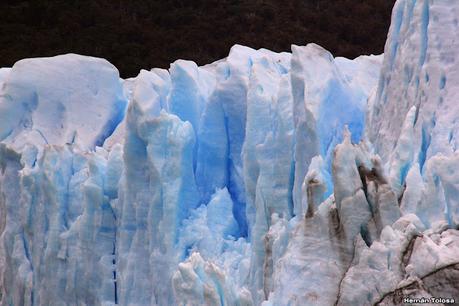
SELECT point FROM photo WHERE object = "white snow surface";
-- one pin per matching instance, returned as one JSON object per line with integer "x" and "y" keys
{"x": 64, "y": 99}
{"x": 261, "y": 179}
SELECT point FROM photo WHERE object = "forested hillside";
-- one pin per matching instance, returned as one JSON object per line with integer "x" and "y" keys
{"x": 145, "y": 33}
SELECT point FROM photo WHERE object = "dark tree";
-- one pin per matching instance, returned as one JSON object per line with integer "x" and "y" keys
{"x": 148, "y": 33}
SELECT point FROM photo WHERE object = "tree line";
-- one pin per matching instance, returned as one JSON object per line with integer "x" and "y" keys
{"x": 139, "y": 34}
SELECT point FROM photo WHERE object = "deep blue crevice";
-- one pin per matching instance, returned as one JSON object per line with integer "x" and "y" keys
{"x": 425, "y": 143}
{"x": 26, "y": 249}
{"x": 112, "y": 123}
{"x": 365, "y": 234}
{"x": 238, "y": 208}
{"x": 424, "y": 32}
{"x": 187, "y": 252}
{"x": 442, "y": 82}
{"x": 404, "y": 172}
{"x": 115, "y": 287}
{"x": 397, "y": 22}
{"x": 239, "y": 212}
{"x": 290, "y": 188}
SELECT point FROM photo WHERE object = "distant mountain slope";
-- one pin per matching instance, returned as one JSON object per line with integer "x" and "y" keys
{"x": 143, "y": 33}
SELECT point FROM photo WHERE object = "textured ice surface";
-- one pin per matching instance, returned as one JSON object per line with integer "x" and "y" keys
{"x": 419, "y": 70}
{"x": 261, "y": 179}
{"x": 418, "y": 86}
{"x": 63, "y": 99}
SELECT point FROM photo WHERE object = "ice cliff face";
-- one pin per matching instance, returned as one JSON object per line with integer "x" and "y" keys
{"x": 390, "y": 228}
{"x": 418, "y": 87}
{"x": 261, "y": 179}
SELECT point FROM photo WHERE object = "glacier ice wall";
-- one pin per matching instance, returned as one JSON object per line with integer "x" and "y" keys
{"x": 379, "y": 236}
{"x": 418, "y": 86}
{"x": 109, "y": 186}
{"x": 261, "y": 179}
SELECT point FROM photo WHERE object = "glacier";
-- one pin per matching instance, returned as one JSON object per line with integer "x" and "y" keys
{"x": 264, "y": 178}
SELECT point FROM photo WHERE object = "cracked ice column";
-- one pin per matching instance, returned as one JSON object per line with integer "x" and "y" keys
{"x": 157, "y": 190}
{"x": 322, "y": 246}
{"x": 57, "y": 231}
{"x": 268, "y": 159}
{"x": 223, "y": 127}
{"x": 327, "y": 95}
{"x": 62, "y": 237}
